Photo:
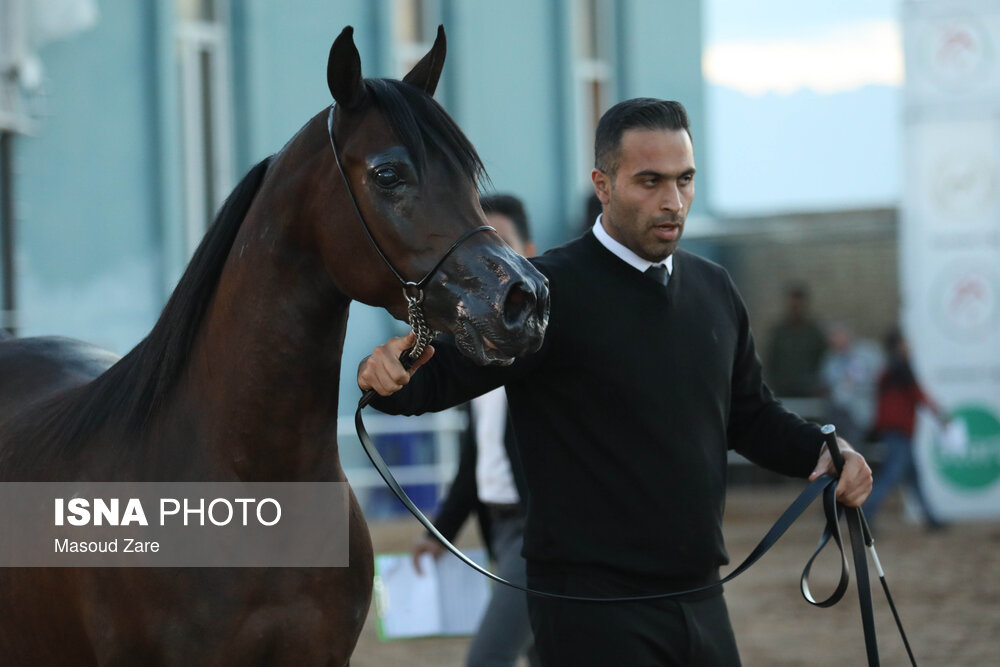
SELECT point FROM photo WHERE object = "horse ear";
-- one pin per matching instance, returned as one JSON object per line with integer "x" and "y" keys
{"x": 343, "y": 71}
{"x": 425, "y": 74}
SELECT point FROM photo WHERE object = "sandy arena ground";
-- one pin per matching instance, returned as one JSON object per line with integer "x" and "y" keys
{"x": 946, "y": 586}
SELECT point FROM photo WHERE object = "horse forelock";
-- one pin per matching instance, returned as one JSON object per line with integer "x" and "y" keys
{"x": 424, "y": 127}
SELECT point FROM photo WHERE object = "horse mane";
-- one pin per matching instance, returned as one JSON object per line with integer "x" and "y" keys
{"x": 138, "y": 383}
{"x": 422, "y": 125}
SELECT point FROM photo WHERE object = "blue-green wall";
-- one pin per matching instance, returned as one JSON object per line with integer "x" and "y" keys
{"x": 280, "y": 55}
{"x": 659, "y": 55}
{"x": 86, "y": 188}
{"x": 505, "y": 93}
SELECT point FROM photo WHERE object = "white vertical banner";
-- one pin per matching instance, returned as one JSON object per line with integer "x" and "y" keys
{"x": 950, "y": 245}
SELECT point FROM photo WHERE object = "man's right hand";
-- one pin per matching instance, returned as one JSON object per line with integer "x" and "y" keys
{"x": 425, "y": 545}
{"x": 383, "y": 371}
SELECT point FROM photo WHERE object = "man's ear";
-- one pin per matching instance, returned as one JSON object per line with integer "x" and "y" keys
{"x": 602, "y": 185}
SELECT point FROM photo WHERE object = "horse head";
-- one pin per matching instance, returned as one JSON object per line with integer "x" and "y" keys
{"x": 412, "y": 175}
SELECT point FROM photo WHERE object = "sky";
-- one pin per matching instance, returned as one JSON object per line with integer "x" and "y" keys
{"x": 804, "y": 102}
{"x": 739, "y": 20}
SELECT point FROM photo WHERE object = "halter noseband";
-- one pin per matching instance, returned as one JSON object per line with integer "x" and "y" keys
{"x": 413, "y": 291}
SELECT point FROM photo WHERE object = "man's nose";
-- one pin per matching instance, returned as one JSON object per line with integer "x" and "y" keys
{"x": 671, "y": 199}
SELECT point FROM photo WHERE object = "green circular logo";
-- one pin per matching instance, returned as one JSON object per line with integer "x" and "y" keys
{"x": 971, "y": 462}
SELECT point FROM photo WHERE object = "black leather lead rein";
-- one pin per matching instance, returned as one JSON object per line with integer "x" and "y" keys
{"x": 824, "y": 485}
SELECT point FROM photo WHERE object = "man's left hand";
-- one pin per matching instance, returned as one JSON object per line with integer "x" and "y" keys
{"x": 856, "y": 479}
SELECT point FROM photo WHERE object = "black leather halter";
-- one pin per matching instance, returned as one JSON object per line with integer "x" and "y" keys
{"x": 413, "y": 291}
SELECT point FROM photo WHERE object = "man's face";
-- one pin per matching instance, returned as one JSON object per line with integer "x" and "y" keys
{"x": 508, "y": 232}
{"x": 647, "y": 199}
{"x": 840, "y": 338}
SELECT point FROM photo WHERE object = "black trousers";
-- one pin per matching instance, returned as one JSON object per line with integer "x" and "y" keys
{"x": 694, "y": 631}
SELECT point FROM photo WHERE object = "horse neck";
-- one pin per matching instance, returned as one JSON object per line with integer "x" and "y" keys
{"x": 265, "y": 372}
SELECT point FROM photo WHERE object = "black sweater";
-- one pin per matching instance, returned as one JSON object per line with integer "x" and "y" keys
{"x": 623, "y": 418}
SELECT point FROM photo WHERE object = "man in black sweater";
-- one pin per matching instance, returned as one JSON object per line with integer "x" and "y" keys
{"x": 648, "y": 374}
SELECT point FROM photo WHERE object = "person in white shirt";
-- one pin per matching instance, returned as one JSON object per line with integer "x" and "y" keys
{"x": 489, "y": 481}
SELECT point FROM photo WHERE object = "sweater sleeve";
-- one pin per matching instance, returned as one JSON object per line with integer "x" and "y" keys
{"x": 450, "y": 379}
{"x": 760, "y": 428}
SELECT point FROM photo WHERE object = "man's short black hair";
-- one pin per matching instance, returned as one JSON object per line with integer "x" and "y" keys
{"x": 511, "y": 207}
{"x": 644, "y": 113}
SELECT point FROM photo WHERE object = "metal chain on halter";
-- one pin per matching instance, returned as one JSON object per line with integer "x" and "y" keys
{"x": 422, "y": 332}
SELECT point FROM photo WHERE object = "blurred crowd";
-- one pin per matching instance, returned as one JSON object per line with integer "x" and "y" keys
{"x": 871, "y": 394}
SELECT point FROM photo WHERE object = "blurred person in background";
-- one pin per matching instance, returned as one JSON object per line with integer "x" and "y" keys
{"x": 490, "y": 482}
{"x": 848, "y": 377}
{"x": 796, "y": 349}
{"x": 899, "y": 396}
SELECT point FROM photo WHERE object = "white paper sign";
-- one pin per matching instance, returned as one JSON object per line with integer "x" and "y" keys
{"x": 448, "y": 598}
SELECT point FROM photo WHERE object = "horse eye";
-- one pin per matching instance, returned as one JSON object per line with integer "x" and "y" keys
{"x": 387, "y": 177}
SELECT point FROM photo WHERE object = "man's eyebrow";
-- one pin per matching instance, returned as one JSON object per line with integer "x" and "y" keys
{"x": 650, "y": 173}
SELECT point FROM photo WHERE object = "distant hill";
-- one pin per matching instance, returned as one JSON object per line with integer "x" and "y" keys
{"x": 803, "y": 151}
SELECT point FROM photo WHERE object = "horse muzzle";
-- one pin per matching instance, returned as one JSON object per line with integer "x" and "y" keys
{"x": 501, "y": 308}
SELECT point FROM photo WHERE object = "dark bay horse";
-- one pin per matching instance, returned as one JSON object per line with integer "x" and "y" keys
{"x": 238, "y": 380}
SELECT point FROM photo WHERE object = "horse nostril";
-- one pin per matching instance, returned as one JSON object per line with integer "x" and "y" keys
{"x": 519, "y": 303}
{"x": 542, "y": 307}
